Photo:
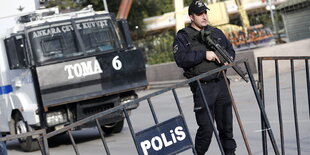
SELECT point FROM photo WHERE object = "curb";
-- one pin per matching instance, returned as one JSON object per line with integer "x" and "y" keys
{"x": 165, "y": 84}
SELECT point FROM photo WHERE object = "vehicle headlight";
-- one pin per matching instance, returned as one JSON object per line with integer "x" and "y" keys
{"x": 128, "y": 99}
{"x": 56, "y": 117}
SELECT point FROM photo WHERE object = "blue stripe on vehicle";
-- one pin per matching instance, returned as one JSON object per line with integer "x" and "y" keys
{"x": 6, "y": 89}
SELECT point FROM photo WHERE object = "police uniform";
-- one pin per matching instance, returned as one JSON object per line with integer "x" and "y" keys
{"x": 190, "y": 54}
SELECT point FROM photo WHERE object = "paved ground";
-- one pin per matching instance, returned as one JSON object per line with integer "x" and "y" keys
{"x": 89, "y": 141}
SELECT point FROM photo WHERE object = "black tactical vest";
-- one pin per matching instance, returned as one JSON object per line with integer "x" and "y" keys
{"x": 196, "y": 44}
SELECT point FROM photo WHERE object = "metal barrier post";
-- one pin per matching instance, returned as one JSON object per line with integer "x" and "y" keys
{"x": 182, "y": 115}
{"x": 43, "y": 143}
{"x": 73, "y": 143}
{"x": 263, "y": 112}
{"x": 294, "y": 105}
{"x": 177, "y": 101}
{"x": 130, "y": 127}
{"x": 102, "y": 137}
{"x": 210, "y": 118}
{"x": 261, "y": 92}
{"x": 308, "y": 82}
{"x": 152, "y": 110}
{"x": 279, "y": 106}
{"x": 245, "y": 139}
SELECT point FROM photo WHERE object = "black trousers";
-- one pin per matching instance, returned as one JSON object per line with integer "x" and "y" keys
{"x": 219, "y": 103}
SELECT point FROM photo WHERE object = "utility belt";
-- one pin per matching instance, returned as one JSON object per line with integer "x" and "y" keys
{"x": 194, "y": 85}
{"x": 211, "y": 80}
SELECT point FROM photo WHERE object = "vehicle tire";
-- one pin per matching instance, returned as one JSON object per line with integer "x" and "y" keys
{"x": 116, "y": 127}
{"x": 27, "y": 144}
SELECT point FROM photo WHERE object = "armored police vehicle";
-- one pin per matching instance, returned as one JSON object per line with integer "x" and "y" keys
{"x": 56, "y": 69}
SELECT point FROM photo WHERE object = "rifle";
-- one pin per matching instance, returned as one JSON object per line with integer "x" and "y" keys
{"x": 220, "y": 52}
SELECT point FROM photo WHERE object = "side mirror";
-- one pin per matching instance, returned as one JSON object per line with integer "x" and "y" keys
{"x": 15, "y": 49}
{"x": 123, "y": 25}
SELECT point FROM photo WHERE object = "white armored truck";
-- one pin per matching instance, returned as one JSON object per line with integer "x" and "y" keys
{"x": 56, "y": 69}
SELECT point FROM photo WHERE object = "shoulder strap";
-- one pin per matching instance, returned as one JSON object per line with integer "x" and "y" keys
{"x": 214, "y": 33}
{"x": 186, "y": 31}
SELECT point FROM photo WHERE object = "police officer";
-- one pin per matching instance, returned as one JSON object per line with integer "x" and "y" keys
{"x": 196, "y": 57}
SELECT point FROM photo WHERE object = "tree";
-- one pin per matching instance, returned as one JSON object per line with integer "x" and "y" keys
{"x": 157, "y": 48}
{"x": 63, "y": 4}
{"x": 140, "y": 9}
